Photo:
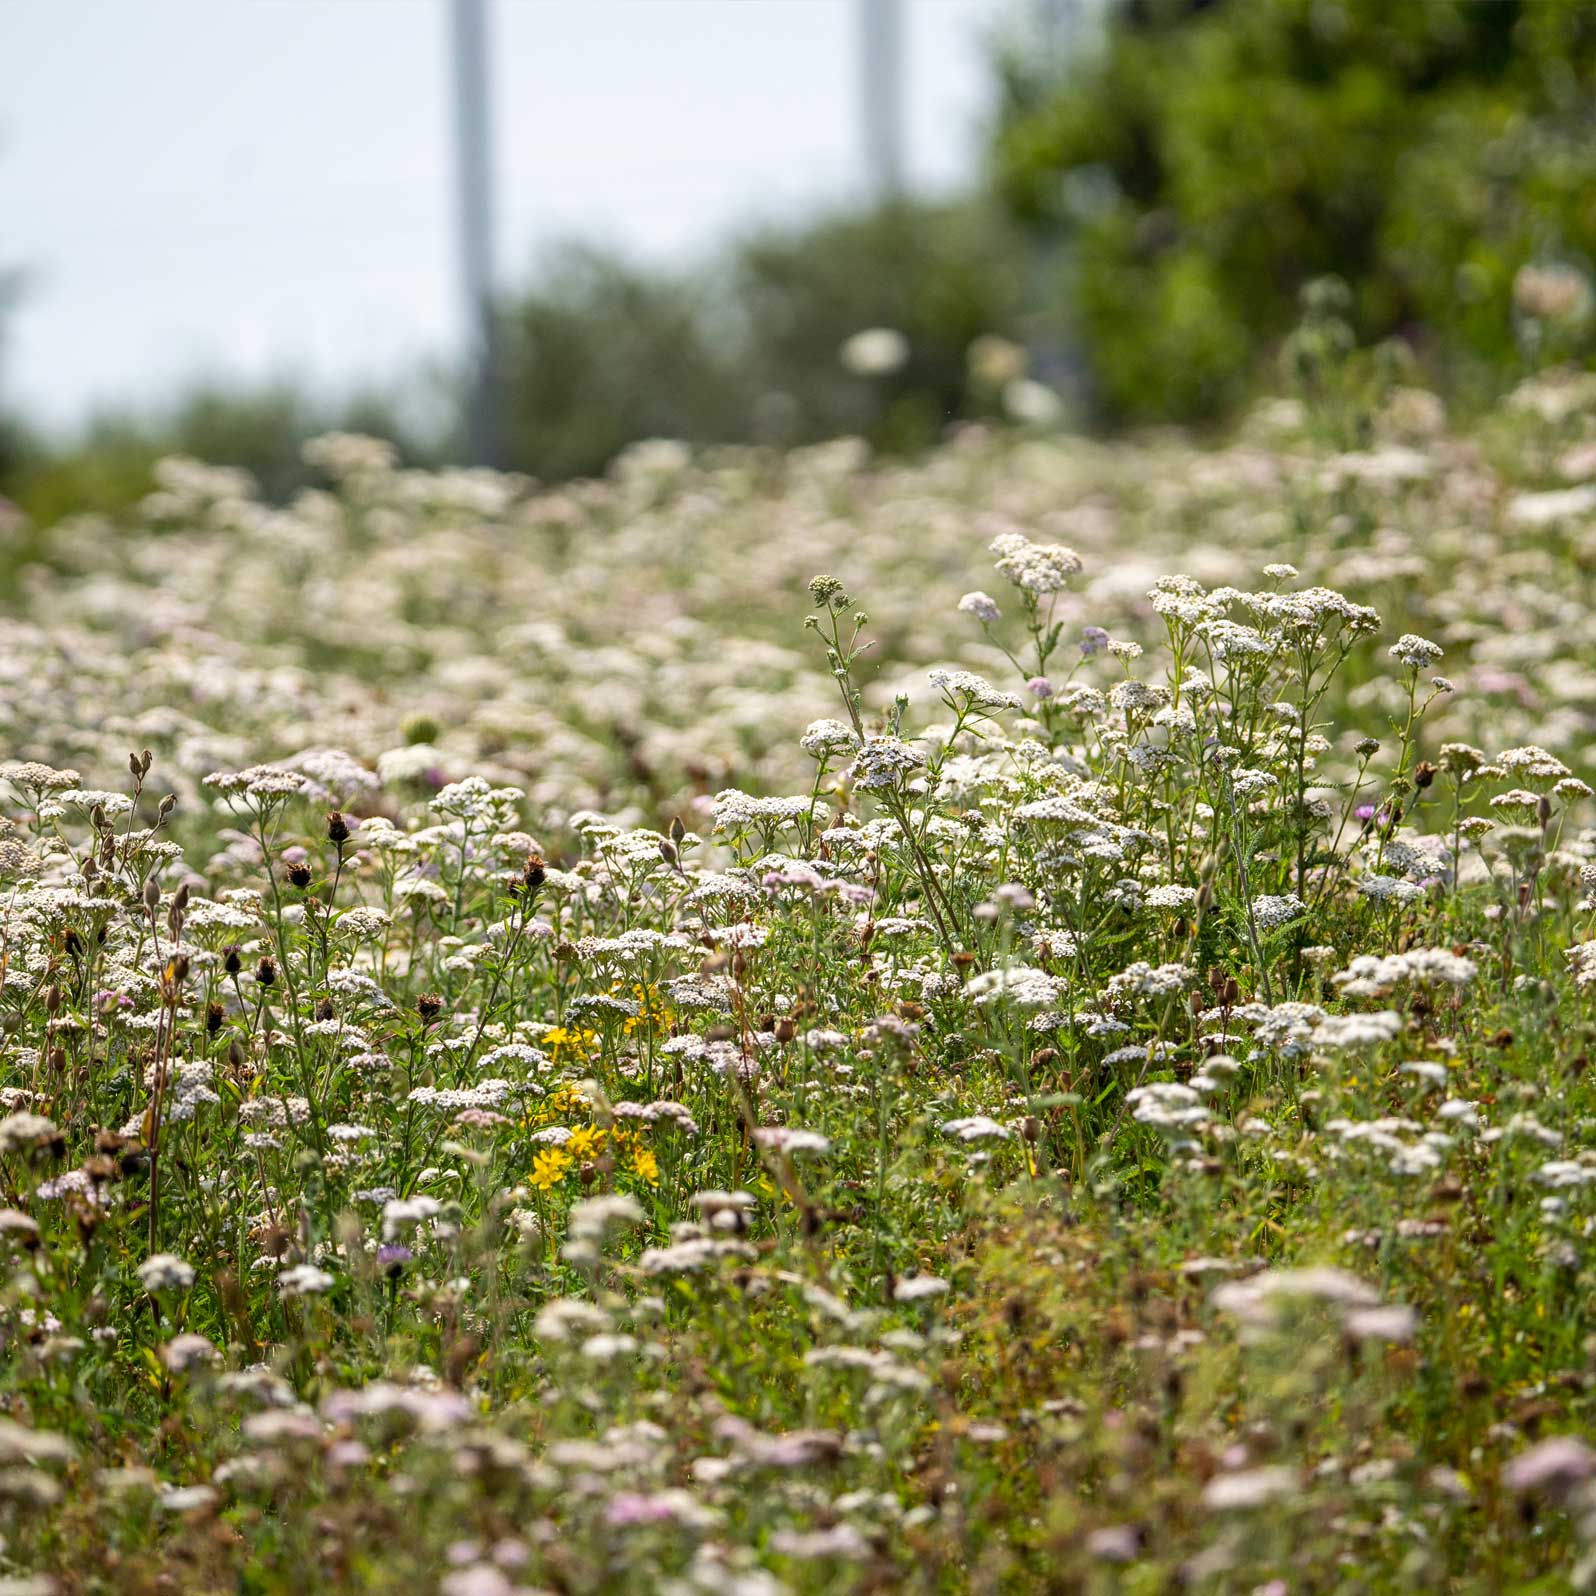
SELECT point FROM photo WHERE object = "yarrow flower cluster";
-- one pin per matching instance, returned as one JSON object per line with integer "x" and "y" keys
{"x": 1039, "y": 568}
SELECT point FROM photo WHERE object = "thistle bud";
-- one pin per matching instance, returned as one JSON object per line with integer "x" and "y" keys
{"x": 337, "y": 828}
{"x": 299, "y": 876}
{"x": 429, "y": 1006}
{"x": 266, "y": 970}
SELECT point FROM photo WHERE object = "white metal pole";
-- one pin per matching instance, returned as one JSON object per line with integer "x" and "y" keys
{"x": 881, "y": 94}
{"x": 474, "y": 178}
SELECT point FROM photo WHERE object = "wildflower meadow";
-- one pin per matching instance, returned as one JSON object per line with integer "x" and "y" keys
{"x": 797, "y": 1023}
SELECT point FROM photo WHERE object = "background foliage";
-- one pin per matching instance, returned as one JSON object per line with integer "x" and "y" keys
{"x": 1210, "y": 159}
{"x": 1158, "y": 198}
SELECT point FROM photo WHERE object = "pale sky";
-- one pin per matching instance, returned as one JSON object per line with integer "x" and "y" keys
{"x": 250, "y": 187}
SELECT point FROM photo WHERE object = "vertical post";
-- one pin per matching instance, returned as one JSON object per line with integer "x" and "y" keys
{"x": 474, "y": 178}
{"x": 881, "y": 94}
{"x": 1061, "y": 26}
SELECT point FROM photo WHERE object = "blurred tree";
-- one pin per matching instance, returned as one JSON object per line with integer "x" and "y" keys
{"x": 601, "y": 353}
{"x": 1208, "y": 157}
{"x": 941, "y": 276}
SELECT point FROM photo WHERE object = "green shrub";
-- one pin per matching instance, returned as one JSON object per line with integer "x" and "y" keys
{"x": 602, "y": 353}
{"x": 1206, "y": 160}
{"x": 109, "y": 466}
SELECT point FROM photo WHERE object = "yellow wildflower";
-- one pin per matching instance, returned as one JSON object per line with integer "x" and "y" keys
{"x": 657, "y": 1014}
{"x": 585, "y": 1141}
{"x": 549, "y": 1167}
{"x": 567, "y": 1044}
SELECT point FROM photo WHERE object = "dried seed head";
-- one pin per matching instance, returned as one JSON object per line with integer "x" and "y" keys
{"x": 337, "y": 828}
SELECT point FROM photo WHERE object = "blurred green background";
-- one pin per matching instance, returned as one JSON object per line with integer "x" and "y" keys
{"x": 1155, "y": 202}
